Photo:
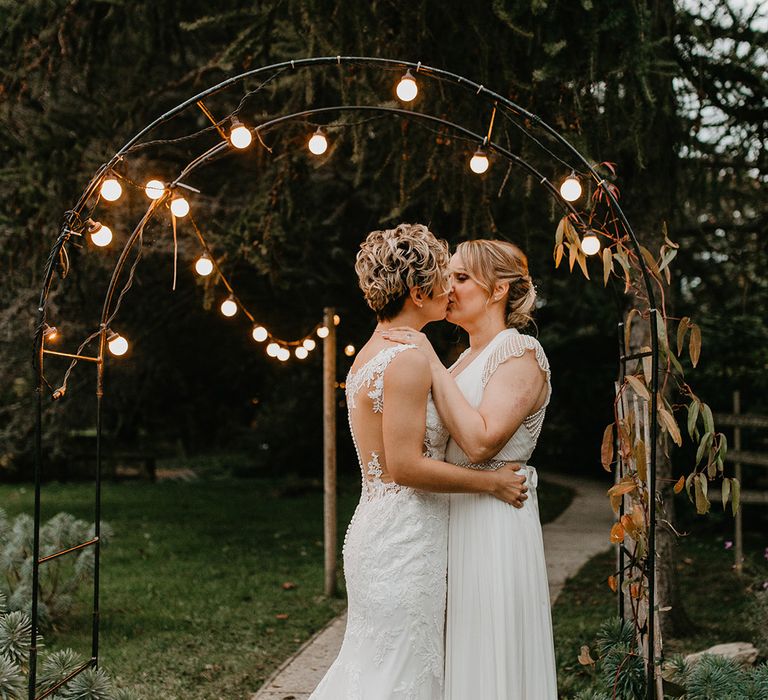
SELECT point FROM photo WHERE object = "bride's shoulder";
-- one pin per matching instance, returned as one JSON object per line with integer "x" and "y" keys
{"x": 407, "y": 367}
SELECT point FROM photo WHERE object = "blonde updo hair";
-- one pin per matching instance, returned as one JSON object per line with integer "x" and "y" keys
{"x": 392, "y": 262}
{"x": 491, "y": 262}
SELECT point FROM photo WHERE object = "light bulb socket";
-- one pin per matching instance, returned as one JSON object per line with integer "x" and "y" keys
{"x": 93, "y": 226}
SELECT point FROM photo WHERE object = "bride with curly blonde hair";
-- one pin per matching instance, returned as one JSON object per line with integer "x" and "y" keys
{"x": 395, "y": 549}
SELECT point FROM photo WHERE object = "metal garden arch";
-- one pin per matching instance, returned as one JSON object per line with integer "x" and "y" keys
{"x": 75, "y": 222}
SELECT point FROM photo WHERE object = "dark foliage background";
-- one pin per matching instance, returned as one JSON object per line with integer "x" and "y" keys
{"x": 674, "y": 94}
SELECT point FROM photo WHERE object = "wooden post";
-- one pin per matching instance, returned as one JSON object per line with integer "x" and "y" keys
{"x": 329, "y": 451}
{"x": 737, "y": 447}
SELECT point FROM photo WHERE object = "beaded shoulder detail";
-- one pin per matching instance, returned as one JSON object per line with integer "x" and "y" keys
{"x": 371, "y": 375}
{"x": 515, "y": 344}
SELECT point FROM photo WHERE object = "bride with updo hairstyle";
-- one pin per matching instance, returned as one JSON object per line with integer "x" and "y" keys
{"x": 395, "y": 549}
{"x": 499, "y": 642}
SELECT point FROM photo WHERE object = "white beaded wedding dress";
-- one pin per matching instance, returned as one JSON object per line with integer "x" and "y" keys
{"x": 395, "y": 558}
{"x": 499, "y": 642}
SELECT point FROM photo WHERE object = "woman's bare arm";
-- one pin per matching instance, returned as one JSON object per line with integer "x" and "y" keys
{"x": 406, "y": 385}
{"x": 511, "y": 395}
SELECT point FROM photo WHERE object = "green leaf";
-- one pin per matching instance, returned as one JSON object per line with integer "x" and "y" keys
{"x": 709, "y": 421}
{"x": 693, "y": 415}
{"x": 722, "y": 446}
{"x": 735, "y": 495}
{"x": 706, "y": 441}
{"x": 726, "y": 491}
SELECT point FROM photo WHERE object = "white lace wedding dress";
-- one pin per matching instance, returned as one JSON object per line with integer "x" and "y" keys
{"x": 499, "y": 642}
{"x": 395, "y": 558}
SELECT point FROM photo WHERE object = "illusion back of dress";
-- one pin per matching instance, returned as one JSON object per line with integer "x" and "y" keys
{"x": 395, "y": 561}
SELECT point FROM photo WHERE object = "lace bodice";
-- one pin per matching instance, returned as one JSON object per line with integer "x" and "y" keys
{"x": 367, "y": 436}
{"x": 395, "y": 561}
{"x": 473, "y": 379}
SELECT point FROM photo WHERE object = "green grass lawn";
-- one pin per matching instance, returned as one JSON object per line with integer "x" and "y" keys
{"x": 720, "y": 604}
{"x": 192, "y": 582}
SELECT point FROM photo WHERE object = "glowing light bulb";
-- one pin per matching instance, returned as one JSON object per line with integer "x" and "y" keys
{"x": 111, "y": 189}
{"x": 301, "y": 352}
{"x": 283, "y": 354}
{"x": 259, "y": 334}
{"x": 309, "y": 344}
{"x": 180, "y": 207}
{"x": 273, "y": 349}
{"x": 100, "y": 235}
{"x": 570, "y": 190}
{"x": 336, "y": 319}
{"x": 154, "y": 189}
{"x": 590, "y": 244}
{"x": 204, "y": 265}
{"x": 50, "y": 333}
{"x": 117, "y": 344}
{"x": 229, "y": 306}
{"x": 407, "y": 89}
{"x": 349, "y": 350}
{"x": 318, "y": 144}
{"x": 322, "y": 332}
{"x": 240, "y": 136}
{"x": 479, "y": 162}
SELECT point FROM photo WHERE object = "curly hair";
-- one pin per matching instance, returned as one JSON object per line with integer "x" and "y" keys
{"x": 491, "y": 262}
{"x": 392, "y": 262}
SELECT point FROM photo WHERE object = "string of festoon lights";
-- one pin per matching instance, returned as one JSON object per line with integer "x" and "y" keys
{"x": 241, "y": 137}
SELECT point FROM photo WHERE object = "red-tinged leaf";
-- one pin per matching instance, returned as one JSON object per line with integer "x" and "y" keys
{"x": 679, "y": 485}
{"x": 281, "y": 616}
{"x": 668, "y": 421}
{"x": 570, "y": 232}
{"x": 585, "y": 659}
{"x": 650, "y": 261}
{"x": 613, "y": 583}
{"x": 607, "y": 265}
{"x": 617, "y": 533}
{"x": 628, "y": 328}
{"x": 572, "y": 253}
{"x": 635, "y": 590}
{"x": 682, "y": 329}
{"x": 582, "y": 260}
{"x": 640, "y": 460}
{"x": 606, "y": 449}
{"x": 694, "y": 345}
{"x": 638, "y": 386}
{"x": 622, "y": 488}
{"x": 558, "y": 254}
{"x": 560, "y": 230}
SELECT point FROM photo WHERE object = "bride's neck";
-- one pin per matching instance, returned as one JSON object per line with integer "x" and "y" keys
{"x": 407, "y": 317}
{"x": 483, "y": 331}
